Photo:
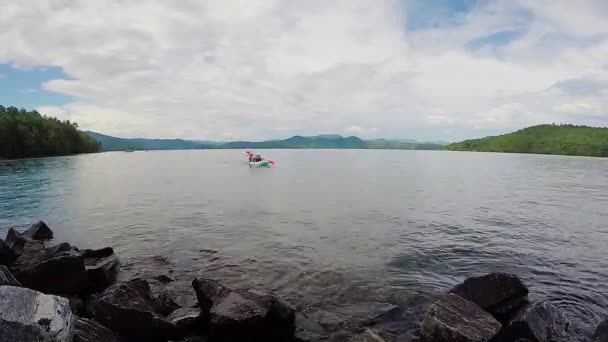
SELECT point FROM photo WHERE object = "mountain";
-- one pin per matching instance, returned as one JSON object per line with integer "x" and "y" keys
{"x": 109, "y": 143}
{"x": 543, "y": 139}
{"x": 331, "y": 141}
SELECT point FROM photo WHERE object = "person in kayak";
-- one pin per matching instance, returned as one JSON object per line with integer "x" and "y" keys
{"x": 257, "y": 158}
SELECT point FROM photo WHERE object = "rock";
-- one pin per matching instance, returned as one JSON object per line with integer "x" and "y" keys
{"x": 308, "y": 330}
{"x": 188, "y": 320}
{"x": 7, "y": 256}
{"x": 542, "y": 322}
{"x": 102, "y": 267}
{"x": 87, "y": 330}
{"x": 7, "y": 278}
{"x": 27, "y": 315}
{"x": 38, "y": 231}
{"x": 129, "y": 309}
{"x": 454, "y": 319}
{"x": 601, "y": 333}
{"x": 367, "y": 335}
{"x": 497, "y": 293}
{"x": 163, "y": 279}
{"x": 165, "y": 303}
{"x": 524, "y": 340}
{"x": 56, "y": 270}
{"x": 15, "y": 241}
{"x": 76, "y": 304}
{"x": 250, "y": 315}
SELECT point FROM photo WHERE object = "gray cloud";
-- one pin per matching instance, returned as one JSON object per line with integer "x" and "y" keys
{"x": 259, "y": 69}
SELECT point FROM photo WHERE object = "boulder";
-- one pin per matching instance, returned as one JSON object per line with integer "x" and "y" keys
{"x": 76, "y": 304}
{"x": 454, "y": 319}
{"x": 7, "y": 256}
{"x": 102, "y": 267}
{"x": 7, "y": 278}
{"x": 367, "y": 335}
{"x": 601, "y": 333}
{"x": 57, "y": 270}
{"x": 15, "y": 241}
{"x": 497, "y": 293}
{"x": 245, "y": 314}
{"x": 87, "y": 330}
{"x": 129, "y": 309}
{"x": 542, "y": 322}
{"x": 188, "y": 320}
{"x": 38, "y": 231}
{"x": 27, "y": 315}
{"x": 165, "y": 303}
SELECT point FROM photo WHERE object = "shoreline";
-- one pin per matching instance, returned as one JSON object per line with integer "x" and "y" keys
{"x": 493, "y": 306}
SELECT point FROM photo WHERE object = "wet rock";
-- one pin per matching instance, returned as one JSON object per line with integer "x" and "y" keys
{"x": 497, "y": 293}
{"x": 308, "y": 330}
{"x": 77, "y": 305}
{"x": 524, "y": 340}
{"x": 55, "y": 270}
{"x": 87, "y": 330}
{"x": 542, "y": 322}
{"x": 163, "y": 279}
{"x": 38, "y": 231}
{"x": 454, "y": 319}
{"x": 15, "y": 241}
{"x": 601, "y": 333}
{"x": 102, "y": 267}
{"x": 187, "y": 320}
{"x": 7, "y": 256}
{"x": 165, "y": 303}
{"x": 244, "y": 315}
{"x": 367, "y": 335}
{"x": 7, "y": 278}
{"x": 27, "y": 315}
{"x": 129, "y": 309}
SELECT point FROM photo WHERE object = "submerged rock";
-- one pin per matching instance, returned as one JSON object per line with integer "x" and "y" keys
{"x": 542, "y": 322}
{"x": 497, "y": 293}
{"x": 87, "y": 330}
{"x": 165, "y": 303}
{"x": 454, "y": 319}
{"x": 101, "y": 266}
{"x": 56, "y": 270}
{"x": 7, "y": 278}
{"x": 129, "y": 309}
{"x": 7, "y": 256}
{"x": 27, "y": 315}
{"x": 601, "y": 333}
{"x": 244, "y": 315}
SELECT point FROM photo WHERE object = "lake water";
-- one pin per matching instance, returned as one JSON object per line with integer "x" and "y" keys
{"x": 328, "y": 228}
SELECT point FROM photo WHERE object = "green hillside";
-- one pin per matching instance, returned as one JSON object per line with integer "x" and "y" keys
{"x": 331, "y": 141}
{"x": 543, "y": 139}
{"x": 109, "y": 143}
{"x": 25, "y": 134}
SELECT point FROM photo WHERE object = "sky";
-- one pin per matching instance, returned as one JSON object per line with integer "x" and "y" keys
{"x": 260, "y": 69}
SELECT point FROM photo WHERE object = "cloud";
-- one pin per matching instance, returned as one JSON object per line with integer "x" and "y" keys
{"x": 267, "y": 68}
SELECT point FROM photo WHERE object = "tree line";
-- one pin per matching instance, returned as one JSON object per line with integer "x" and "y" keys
{"x": 25, "y": 134}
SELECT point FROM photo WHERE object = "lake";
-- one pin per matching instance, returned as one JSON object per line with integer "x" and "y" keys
{"x": 329, "y": 228}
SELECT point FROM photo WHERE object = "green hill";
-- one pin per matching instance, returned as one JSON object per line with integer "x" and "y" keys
{"x": 109, "y": 143}
{"x": 333, "y": 142}
{"x": 543, "y": 139}
{"x": 25, "y": 134}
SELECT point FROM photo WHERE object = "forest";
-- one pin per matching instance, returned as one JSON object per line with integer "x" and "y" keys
{"x": 25, "y": 134}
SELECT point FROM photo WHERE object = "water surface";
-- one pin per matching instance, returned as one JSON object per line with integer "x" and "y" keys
{"x": 328, "y": 228}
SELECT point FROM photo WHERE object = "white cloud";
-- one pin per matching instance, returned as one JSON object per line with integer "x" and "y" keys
{"x": 267, "y": 68}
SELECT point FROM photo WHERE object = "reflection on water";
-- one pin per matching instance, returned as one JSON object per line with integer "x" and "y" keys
{"x": 330, "y": 228}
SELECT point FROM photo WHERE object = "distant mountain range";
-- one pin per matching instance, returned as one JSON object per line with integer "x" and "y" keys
{"x": 332, "y": 141}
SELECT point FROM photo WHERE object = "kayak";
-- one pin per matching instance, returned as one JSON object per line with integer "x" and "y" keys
{"x": 263, "y": 163}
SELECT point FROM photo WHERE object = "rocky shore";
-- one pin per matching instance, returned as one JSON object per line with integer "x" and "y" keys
{"x": 58, "y": 292}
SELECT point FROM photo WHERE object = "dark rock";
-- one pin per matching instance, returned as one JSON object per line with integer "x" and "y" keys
{"x": 7, "y": 278}
{"x": 27, "y": 315}
{"x": 244, "y": 315}
{"x": 309, "y": 330}
{"x": 368, "y": 335}
{"x": 188, "y": 320}
{"x": 76, "y": 304}
{"x": 601, "y": 333}
{"x": 163, "y": 278}
{"x": 524, "y": 340}
{"x": 7, "y": 256}
{"x": 165, "y": 303}
{"x": 454, "y": 319}
{"x": 102, "y": 267}
{"x": 542, "y": 322}
{"x": 38, "y": 231}
{"x": 56, "y": 270}
{"x": 15, "y": 241}
{"x": 497, "y": 293}
{"x": 129, "y": 309}
{"x": 87, "y": 330}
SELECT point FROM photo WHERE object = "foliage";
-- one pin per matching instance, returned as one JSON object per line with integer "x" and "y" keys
{"x": 26, "y": 134}
{"x": 543, "y": 139}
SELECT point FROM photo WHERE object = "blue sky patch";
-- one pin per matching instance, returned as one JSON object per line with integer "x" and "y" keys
{"x": 424, "y": 14}
{"x": 23, "y": 87}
